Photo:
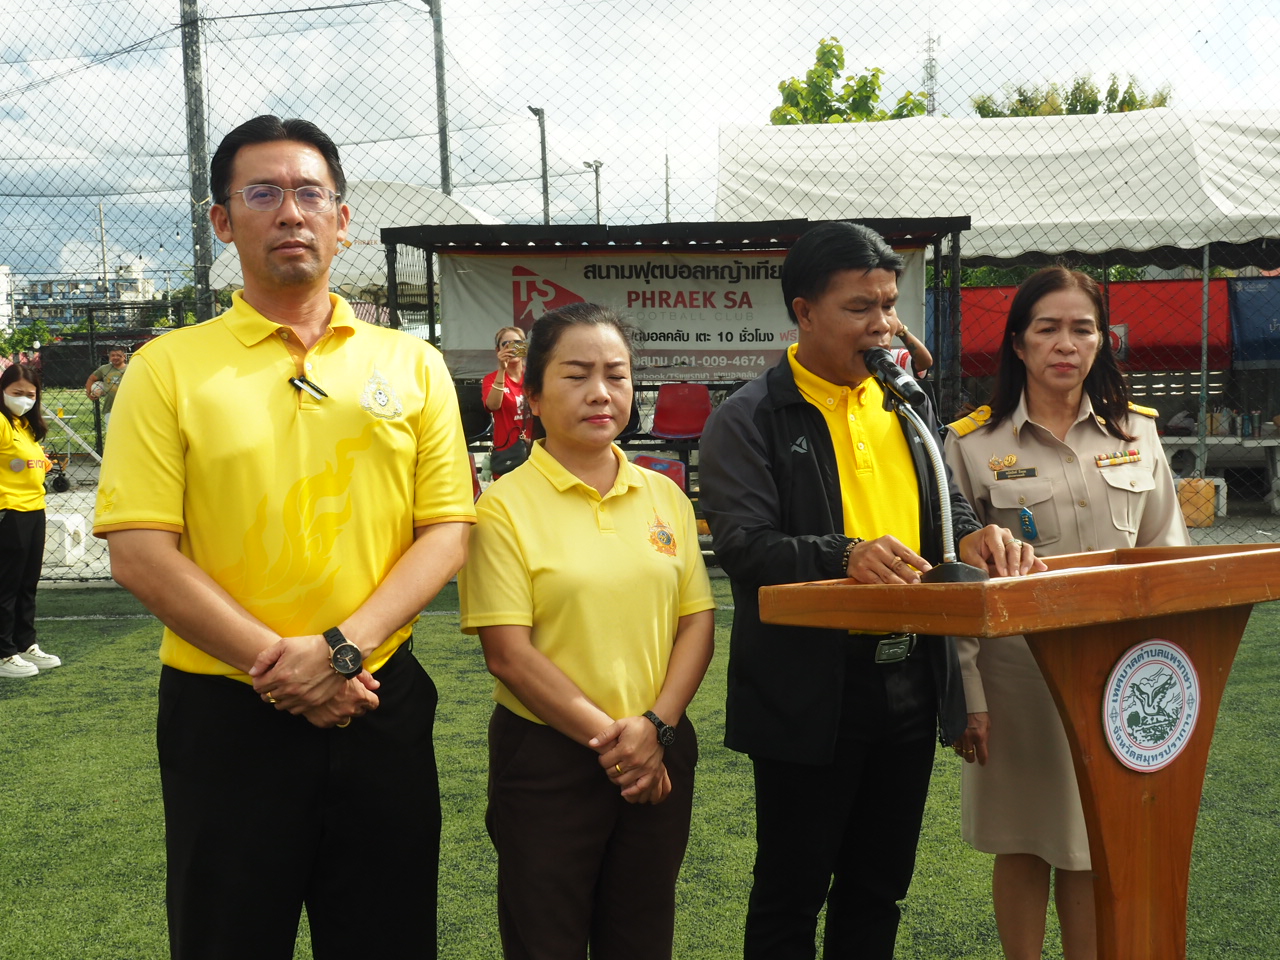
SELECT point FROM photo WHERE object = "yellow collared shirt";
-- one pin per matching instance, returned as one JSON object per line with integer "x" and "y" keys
{"x": 878, "y": 484}
{"x": 602, "y": 581}
{"x": 297, "y": 506}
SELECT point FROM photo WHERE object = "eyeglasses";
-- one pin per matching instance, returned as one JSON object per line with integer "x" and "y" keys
{"x": 267, "y": 196}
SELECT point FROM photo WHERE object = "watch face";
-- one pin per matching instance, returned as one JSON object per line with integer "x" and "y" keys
{"x": 666, "y": 736}
{"x": 346, "y": 659}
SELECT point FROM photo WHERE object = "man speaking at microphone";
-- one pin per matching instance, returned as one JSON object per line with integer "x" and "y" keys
{"x": 806, "y": 476}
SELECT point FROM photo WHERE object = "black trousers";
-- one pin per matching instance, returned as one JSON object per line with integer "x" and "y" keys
{"x": 265, "y": 813}
{"x": 845, "y": 833}
{"x": 579, "y": 868}
{"x": 21, "y": 555}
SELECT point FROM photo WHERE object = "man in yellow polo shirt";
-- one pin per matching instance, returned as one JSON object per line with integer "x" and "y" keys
{"x": 805, "y": 476}
{"x": 285, "y": 488}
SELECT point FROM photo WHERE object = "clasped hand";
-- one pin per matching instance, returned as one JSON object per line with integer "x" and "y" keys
{"x": 295, "y": 674}
{"x": 632, "y": 759}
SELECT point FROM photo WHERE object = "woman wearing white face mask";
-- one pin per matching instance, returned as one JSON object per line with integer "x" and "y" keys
{"x": 22, "y": 469}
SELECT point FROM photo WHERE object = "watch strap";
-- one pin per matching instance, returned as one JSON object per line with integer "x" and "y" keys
{"x": 666, "y": 732}
{"x": 335, "y": 638}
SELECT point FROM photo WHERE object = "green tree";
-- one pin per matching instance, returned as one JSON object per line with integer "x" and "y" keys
{"x": 816, "y": 100}
{"x": 1082, "y": 97}
{"x": 22, "y": 336}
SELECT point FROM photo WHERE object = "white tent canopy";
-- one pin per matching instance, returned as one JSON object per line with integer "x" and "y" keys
{"x": 1090, "y": 184}
{"x": 374, "y": 204}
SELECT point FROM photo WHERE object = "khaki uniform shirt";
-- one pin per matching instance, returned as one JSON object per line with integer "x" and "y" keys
{"x": 1076, "y": 503}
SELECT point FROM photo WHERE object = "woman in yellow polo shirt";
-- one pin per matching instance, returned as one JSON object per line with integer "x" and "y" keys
{"x": 22, "y": 469}
{"x": 586, "y": 585}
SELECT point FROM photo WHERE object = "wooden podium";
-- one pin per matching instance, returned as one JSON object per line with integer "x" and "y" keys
{"x": 1080, "y": 619}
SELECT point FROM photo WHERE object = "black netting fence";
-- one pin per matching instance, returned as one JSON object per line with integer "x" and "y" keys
{"x": 1132, "y": 141}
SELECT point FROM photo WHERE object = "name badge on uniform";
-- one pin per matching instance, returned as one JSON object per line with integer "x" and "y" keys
{"x": 1007, "y": 462}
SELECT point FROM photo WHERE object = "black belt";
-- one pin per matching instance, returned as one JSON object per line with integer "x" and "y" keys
{"x": 886, "y": 648}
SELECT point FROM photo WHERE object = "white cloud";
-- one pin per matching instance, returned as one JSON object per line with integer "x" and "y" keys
{"x": 622, "y": 81}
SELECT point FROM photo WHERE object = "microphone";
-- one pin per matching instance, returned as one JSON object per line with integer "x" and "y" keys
{"x": 880, "y": 362}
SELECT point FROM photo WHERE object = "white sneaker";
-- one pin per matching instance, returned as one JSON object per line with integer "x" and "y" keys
{"x": 42, "y": 660}
{"x": 15, "y": 666}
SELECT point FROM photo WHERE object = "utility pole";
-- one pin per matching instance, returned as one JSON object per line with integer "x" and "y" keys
{"x": 442, "y": 104}
{"x": 197, "y": 159}
{"x": 546, "y": 182}
{"x": 595, "y": 165}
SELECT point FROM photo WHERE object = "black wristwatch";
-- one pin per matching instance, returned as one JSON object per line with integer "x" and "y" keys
{"x": 344, "y": 656}
{"x": 666, "y": 734}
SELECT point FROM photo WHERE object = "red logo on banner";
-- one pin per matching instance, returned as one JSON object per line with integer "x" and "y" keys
{"x": 532, "y": 296}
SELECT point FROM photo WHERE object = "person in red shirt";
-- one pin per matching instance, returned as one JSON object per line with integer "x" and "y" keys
{"x": 915, "y": 358}
{"x": 503, "y": 393}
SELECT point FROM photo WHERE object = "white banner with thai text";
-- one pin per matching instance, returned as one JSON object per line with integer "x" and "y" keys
{"x": 701, "y": 317}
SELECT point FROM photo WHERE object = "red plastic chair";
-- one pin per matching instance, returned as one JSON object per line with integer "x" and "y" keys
{"x": 672, "y": 468}
{"x": 681, "y": 411}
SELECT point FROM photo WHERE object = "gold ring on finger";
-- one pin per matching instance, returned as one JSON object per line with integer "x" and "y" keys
{"x": 271, "y": 698}
{"x": 345, "y": 723}
{"x": 618, "y": 767}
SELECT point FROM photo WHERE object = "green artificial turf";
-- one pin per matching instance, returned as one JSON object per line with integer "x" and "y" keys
{"x": 81, "y": 834}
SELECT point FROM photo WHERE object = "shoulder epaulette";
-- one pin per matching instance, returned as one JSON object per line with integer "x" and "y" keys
{"x": 1151, "y": 412}
{"x": 966, "y": 425}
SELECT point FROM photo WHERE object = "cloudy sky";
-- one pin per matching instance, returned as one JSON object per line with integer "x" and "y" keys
{"x": 91, "y": 95}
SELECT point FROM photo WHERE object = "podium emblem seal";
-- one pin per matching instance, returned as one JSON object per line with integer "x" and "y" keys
{"x": 1150, "y": 705}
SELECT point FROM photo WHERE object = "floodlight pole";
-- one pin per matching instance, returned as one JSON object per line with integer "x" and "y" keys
{"x": 197, "y": 159}
{"x": 442, "y": 105}
{"x": 595, "y": 165}
{"x": 546, "y": 183}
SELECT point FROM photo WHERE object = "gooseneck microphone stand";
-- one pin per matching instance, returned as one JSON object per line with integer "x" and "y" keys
{"x": 902, "y": 394}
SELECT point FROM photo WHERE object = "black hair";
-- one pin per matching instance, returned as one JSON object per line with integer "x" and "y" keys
{"x": 1104, "y": 383}
{"x": 35, "y": 416}
{"x": 829, "y": 248}
{"x": 546, "y": 332}
{"x": 267, "y": 129}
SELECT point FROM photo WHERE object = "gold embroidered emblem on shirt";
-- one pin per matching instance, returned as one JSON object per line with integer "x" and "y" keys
{"x": 379, "y": 397}
{"x": 662, "y": 537}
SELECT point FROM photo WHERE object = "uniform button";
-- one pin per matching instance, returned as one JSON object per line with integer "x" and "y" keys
{"x": 1071, "y": 459}
{"x": 1022, "y": 500}
{"x": 307, "y": 365}
{"x": 1133, "y": 483}
{"x": 284, "y": 334}
{"x": 830, "y": 401}
{"x": 1082, "y": 503}
{"x": 862, "y": 446}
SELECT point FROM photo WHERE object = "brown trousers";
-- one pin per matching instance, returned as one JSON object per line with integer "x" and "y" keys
{"x": 578, "y": 866}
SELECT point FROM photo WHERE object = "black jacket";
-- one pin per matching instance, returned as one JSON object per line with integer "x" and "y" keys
{"x": 771, "y": 495}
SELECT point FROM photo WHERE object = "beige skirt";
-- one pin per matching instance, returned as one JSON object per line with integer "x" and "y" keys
{"x": 1025, "y": 798}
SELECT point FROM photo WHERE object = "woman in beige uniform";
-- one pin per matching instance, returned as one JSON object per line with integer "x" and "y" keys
{"x": 1062, "y": 456}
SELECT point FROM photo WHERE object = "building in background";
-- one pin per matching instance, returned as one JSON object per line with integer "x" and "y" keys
{"x": 66, "y": 300}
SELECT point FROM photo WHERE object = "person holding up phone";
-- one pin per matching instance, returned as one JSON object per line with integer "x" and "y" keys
{"x": 503, "y": 393}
